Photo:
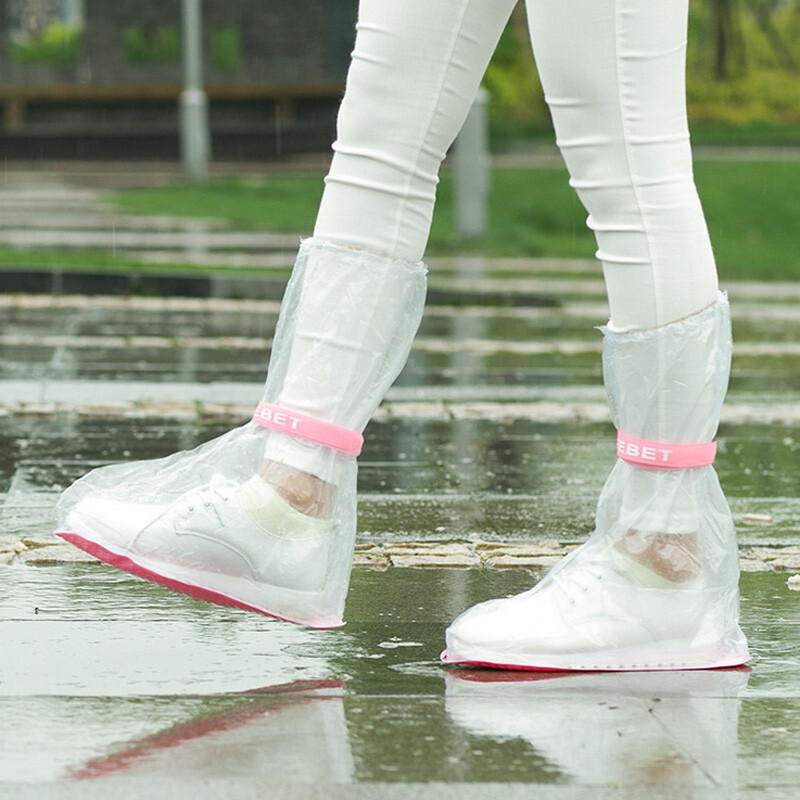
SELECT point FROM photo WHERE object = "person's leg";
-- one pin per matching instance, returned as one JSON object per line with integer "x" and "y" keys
{"x": 656, "y": 584}
{"x": 264, "y": 517}
{"x": 617, "y": 95}
{"x": 416, "y": 68}
{"x": 613, "y": 74}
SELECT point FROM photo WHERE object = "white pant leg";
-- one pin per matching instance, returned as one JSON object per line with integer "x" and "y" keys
{"x": 615, "y": 86}
{"x": 415, "y": 71}
{"x": 416, "y": 67}
{"x": 613, "y": 74}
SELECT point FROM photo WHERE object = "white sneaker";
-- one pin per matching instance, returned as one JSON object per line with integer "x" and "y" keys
{"x": 240, "y": 545}
{"x": 595, "y": 612}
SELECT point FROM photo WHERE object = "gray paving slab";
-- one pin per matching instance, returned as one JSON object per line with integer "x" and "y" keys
{"x": 34, "y": 215}
{"x": 191, "y": 238}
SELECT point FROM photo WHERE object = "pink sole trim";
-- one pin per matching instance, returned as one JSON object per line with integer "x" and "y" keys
{"x": 517, "y": 667}
{"x": 197, "y": 592}
{"x": 493, "y": 676}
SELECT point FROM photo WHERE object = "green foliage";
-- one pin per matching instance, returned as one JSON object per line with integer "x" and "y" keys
{"x": 753, "y": 77}
{"x": 743, "y": 69}
{"x": 516, "y": 96}
{"x": 160, "y": 44}
{"x": 56, "y": 44}
{"x": 761, "y": 97}
{"x": 227, "y": 49}
{"x": 163, "y": 44}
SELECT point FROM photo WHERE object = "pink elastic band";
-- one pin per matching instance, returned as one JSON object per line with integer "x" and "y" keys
{"x": 658, "y": 455}
{"x": 305, "y": 427}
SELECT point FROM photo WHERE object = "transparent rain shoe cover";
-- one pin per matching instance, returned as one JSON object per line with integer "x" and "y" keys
{"x": 656, "y": 585}
{"x": 209, "y": 522}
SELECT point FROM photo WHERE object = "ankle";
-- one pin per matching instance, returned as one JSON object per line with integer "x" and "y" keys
{"x": 306, "y": 493}
{"x": 672, "y": 556}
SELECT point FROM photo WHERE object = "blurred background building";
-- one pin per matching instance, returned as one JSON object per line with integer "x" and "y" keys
{"x": 101, "y": 78}
{"x": 98, "y": 79}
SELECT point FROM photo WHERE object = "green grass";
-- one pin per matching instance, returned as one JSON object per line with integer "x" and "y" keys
{"x": 706, "y": 133}
{"x": 534, "y": 212}
{"x": 282, "y": 205}
{"x": 753, "y": 210}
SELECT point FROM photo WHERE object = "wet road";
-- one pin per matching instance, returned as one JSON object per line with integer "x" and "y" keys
{"x": 111, "y": 682}
{"x": 496, "y": 436}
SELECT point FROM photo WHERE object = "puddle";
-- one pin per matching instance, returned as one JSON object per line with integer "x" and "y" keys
{"x": 161, "y": 687}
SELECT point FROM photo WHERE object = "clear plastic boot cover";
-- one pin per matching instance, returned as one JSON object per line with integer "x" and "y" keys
{"x": 209, "y": 522}
{"x": 656, "y": 585}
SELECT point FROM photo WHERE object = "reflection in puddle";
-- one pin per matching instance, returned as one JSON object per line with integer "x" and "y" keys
{"x": 290, "y": 733}
{"x": 646, "y": 728}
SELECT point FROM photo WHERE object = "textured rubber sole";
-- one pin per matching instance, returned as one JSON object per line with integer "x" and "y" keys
{"x": 194, "y": 590}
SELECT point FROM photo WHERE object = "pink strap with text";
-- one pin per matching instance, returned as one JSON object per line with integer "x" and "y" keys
{"x": 658, "y": 455}
{"x": 305, "y": 427}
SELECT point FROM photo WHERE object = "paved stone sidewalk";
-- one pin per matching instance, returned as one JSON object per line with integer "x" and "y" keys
{"x": 535, "y": 556}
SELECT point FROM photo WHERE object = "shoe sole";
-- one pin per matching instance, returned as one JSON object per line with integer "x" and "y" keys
{"x": 199, "y": 589}
{"x": 634, "y": 659}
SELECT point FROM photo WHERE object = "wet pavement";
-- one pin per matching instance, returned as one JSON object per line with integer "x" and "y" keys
{"x": 480, "y": 470}
{"x": 110, "y": 684}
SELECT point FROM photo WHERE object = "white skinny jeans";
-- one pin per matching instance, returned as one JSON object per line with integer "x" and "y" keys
{"x": 613, "y": 76}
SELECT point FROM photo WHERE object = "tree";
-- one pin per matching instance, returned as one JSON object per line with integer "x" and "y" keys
{"x": 724, "y": 24}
